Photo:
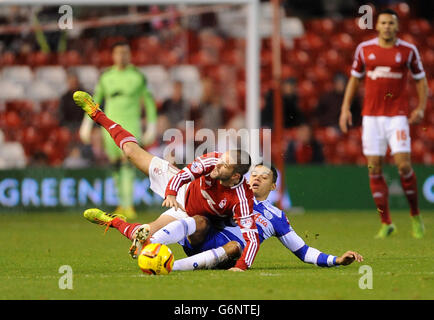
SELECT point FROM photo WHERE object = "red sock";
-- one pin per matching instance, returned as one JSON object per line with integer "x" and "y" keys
{"x": 119, "y": 134}
{"x": 380, "y": 193}
{"x": 127, "y": 229}
{"x": 409, "y": 185}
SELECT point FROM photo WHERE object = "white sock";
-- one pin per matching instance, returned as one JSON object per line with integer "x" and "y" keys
{"x": 174, "y": 231}
{"x": 204, "y": 260}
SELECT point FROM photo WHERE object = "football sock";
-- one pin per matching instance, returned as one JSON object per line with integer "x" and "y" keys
{"x": 127, "y": 229}
{"x": 380, "y": 193}
{"x": 409, "y": 185}
{"x": 126, "y": 185}
{"x": 119, "y": 134}
{"x": 175, "y": 231}
{"x": 204, "y": 260}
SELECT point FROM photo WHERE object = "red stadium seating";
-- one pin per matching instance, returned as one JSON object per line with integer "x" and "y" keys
{"x": 327, "y": 47}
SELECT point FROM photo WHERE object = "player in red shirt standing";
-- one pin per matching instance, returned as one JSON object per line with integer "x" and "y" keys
{"x": 384, "y": 62}
{"x": 212, "y": 189}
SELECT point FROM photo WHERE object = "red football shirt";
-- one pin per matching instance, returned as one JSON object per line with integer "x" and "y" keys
{"x": 207, "y": 196}
{"x": 386, "y": 76}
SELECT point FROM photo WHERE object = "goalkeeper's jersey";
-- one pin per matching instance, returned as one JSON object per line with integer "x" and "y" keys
{"x": 120, "y": 92}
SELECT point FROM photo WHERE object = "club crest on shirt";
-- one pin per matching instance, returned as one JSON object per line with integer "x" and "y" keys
{"x": 268, "y": 214}
{"x": 398, "y": 57}
{"x": 196, "y": 167}
{"x": 222, "y": 203}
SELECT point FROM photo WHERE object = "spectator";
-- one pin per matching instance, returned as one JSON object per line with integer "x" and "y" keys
{"x": 328, "y": 109}
{"x": 292, "y": 114}
{"x": 176, "y": 107}
{"x": 75, "y": 159}
{"x": 212, "y": 111}
{"x": 305, "y": 148}
{"x": 69, "y": 115}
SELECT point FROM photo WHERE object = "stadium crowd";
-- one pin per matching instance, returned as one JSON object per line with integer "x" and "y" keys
{"x": 195, "y": 71}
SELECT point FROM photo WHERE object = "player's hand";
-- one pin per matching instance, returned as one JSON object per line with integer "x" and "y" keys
{"x": 235, "y": 269}
{"x": 416, "y": 116}
{"x": 348, "y": 258}
{"x": 345, "y": 119}
{"x": 171, "y": 202}
{"x": 150, "y": 134}
{"x": 85, "y": 131}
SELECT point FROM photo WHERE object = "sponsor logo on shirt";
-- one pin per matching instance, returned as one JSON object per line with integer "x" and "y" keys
{"x": 398, "y": 57}
{"x": 383, "y": 72}
{"x": 371, "y": 56}
{"x": 246, "y": 222}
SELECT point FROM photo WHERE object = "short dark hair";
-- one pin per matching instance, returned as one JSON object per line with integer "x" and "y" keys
{"x": 272, "y": 168}
{"x": 120, "y": 43}
{"x": 388, "y": 11}
{"x": 243, "y": 161}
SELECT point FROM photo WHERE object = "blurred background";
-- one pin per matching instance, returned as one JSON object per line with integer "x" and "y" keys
{"x": 194, "y": 59}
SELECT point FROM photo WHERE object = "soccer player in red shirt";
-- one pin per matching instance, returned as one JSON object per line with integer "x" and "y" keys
{"x": 384, "y": 62}
{"x": 212, "y": 189}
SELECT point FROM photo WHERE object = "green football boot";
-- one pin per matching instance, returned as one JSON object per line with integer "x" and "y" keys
{"x": 100, "y": 217}
{"x": 386, "y": 230}
{"x": 84, "y": 100}
{"x": 417, "y": 227}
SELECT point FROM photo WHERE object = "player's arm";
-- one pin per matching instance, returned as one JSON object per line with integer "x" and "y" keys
{"x": 289, "y": 238}
{"x": 87, "y": 123}
{"x": 357, "y": 73}
{"x": 202, "y": 165}
{"x": 244, "y": 218}
{"x": 418, "y": 74}
{"x": 150, "y": 107}
{"x": 418, "y": 113}
{"x": 307, "y": 254}
{"x": 346, "y": 118}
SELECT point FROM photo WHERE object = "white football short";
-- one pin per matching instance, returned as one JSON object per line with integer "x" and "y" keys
{"x": 160, "y": 173}
{"x": 380, "y": 132}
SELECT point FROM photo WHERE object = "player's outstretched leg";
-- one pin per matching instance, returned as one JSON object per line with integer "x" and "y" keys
{"x": 123, "y": 139}
{"x": 100, "y": 217}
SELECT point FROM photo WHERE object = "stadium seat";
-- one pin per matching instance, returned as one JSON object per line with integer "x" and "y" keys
{"x": 310, "y": 41}
{"x": 325, "y": 26}
{"x": 22, "y": 75}
{"x": 39, "y": 58}
{"x": 12, "y": 155}
{"x": 7, "y": 59}
{"x": 55, "y": 76}
{"x": 40, "y": 90}
{"x": 427, "y": 56}
{"x": 158, "y": 81}
{"x": 419, "y": 27}
{"x": 70, "y": 58}
{"x": 87, "y": 76}
{"x": 11, "y": 91}
{"x": 343, "y": 41}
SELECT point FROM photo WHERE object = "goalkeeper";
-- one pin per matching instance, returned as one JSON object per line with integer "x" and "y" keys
{"x": 123, "y": 90}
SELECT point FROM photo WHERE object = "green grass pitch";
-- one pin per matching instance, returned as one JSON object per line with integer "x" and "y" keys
{"x": 35, "y": 246}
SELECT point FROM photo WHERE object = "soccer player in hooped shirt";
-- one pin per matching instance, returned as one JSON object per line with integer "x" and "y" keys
{"x": 123, "y": 89}
{"x": 221, "y": 248}
{"x": 212, "y": 189}
{"x": 384, "y": 62}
